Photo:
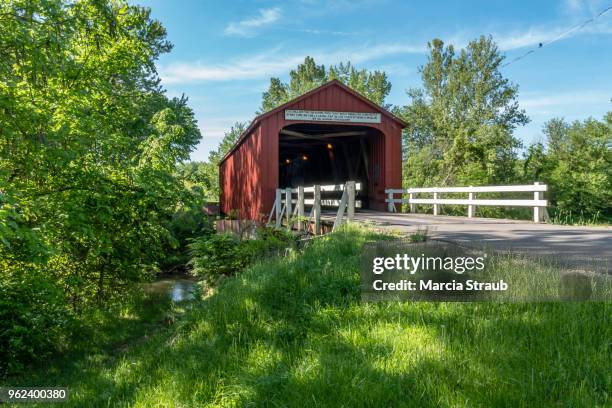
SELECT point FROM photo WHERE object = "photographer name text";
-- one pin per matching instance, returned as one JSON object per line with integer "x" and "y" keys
{"x": 431, "y": 285}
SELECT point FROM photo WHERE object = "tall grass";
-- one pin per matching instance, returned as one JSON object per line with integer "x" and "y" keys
{"x": 567, "y": 217}
{"x": 292, "y": 332}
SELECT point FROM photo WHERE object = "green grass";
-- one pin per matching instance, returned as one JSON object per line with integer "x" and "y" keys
{"x": 528, "y": 277}
{"x": 564, "y": 217}
{"x": 292, "y": 332}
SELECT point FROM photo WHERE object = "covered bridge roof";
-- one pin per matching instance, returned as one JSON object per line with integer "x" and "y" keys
{"x": 333, "y": 82}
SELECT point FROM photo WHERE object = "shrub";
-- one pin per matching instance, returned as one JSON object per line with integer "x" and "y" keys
{"x": 267, "y": 240}
{"x": 575, "y": 162}
{"x": 224, "y": 254}
{"x": 186, "y": 224}
{"x": 33, "y": 316}
{"x": 216, "y": 255}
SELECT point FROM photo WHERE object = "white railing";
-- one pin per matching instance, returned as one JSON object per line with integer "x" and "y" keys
{"x": 284, "y": 207}
{"x": 538, "y": 203}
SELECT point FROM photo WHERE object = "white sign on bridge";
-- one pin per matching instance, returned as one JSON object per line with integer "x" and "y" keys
{"x": 331, "y": 116}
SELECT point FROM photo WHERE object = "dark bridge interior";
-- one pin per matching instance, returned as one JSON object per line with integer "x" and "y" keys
{"x": 323, "y": 154}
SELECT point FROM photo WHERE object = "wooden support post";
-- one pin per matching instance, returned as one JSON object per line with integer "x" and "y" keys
{"x": 333, "y": 164}
{"x": 412, "y": 205}
{"x": 471, "y": 207}
{"x": 278, "y": 204}
{"x": 537, "y": 213}
{"x": 300, "y": 207}
{"x": 364, "y": 152}
{"x": 350, "y": 212}
{"x": 341, "y": 209}
{"x": 390, "y": 203}
{"x": 288, "y": 205}
{"x": 316, "y": 208}
{"x": 347, "y": 160}
{"x": 435, "y": 206}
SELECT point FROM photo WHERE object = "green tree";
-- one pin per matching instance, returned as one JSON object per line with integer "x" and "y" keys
{"x": 576, "y": 163}
{"x": 460, "y": 122}
{"x": 89, "y": 145}
{"x": 205, "y": 175}
{"x": 229, "y": 139}
{"x": 373, "y": 85}
{"x": 201, "y": 180}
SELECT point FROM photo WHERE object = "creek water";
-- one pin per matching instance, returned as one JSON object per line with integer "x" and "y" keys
{"x": 178, "y": 288}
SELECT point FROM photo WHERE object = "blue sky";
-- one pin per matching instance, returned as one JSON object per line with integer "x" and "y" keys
{"x": 225, "y": 52}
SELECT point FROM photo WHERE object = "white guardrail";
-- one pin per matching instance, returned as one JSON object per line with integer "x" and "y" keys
{"x": 538, "y": 203}
{"x": 292, "y": 209}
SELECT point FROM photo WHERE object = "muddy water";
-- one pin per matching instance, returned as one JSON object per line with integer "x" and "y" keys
{"x": 177, "y": 288}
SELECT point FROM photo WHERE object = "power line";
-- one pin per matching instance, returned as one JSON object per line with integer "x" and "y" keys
{"x": 560, "y": 36}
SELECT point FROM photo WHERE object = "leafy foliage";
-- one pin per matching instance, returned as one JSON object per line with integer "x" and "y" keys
{"x": 186, "y": 223}
{"x": 219, "y": 255}
{"x": 34, "y": 316}
{"x": 94, "y": 195}
{"x": 373, "y": 85}
{"x": 460, "y": 123}
{"x": 576, "y": 163}
{"x": 89, "y": 145}
{"x": 205, "y": 175}
{"x": 216, "y": 255}
{"x": 292, "y": 331}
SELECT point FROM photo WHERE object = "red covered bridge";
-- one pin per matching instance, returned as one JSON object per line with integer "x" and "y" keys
{"x": 329, "y": 135}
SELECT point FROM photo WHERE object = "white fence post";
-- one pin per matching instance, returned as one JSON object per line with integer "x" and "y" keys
{"x": 390, "y": 204}
{"x": 537, "y": 214}
{"x": 435, "y": 206}
{"x": 300, "y": 206}
{"x": 288, "y": 205}
{"x": 412, "y": 205}
{"x": 341, "y": 208}
{"x": 271, "y": 212}
{"x": 317, "y": 210}
{"x": 470, "y": 206}
{"x": 350, "y": 210}
{"x": 278, "y": 204}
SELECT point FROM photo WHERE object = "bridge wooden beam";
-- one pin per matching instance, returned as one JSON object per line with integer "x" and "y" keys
{"x": 301, "y": 135}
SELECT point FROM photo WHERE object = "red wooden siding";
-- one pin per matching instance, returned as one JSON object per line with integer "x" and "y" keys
{"x": 249, "y": 173}
{"x": 240, "y": 176}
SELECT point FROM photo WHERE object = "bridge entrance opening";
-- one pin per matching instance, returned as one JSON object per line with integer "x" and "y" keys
{"x": 325, "y": 154}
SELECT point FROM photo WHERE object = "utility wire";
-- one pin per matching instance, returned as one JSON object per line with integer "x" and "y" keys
{"x": 560, "y": 36}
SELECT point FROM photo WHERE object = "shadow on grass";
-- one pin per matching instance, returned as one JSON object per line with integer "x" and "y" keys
{"x": 291, "y": 332}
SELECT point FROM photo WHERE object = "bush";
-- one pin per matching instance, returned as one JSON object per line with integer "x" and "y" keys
{"x": 33, "y": 316}
{"x": 268, "y": 240}
{"x": 216, "y": 255}
{"x": 575, "y": 163}
{"x": 186, "y": 224}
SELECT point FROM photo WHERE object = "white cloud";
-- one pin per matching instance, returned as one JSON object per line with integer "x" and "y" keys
{"x": 535, "y": 36}
{"x": 531, "y": 37}
{"x": 383, "y": 50}
{"x": 250, "y": 67}
{"x": 552, "y": 104}
{"x": 581, "y": 11}
{"x": 330, "y": 32}
{"x": 212, "y": 132}
{"x": 275, "y": 62}
{"x": 216, "y": 125}
{"x": 572, "y": 6}
{"x": 578, "y": 8}
{"x": 247, "y": 27}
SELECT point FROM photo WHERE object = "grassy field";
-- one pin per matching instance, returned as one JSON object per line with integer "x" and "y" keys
{"x": 292, "y": 332}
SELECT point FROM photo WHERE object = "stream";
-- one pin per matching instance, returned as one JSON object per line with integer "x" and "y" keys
{"x": 178, "y": 288}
